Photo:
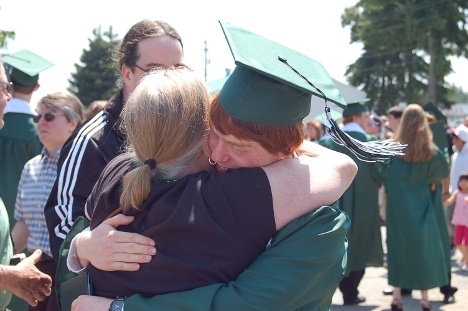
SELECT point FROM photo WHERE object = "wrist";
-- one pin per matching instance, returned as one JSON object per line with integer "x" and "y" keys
{"x": 8, "y": 277}
{"x": 80, "y": 249}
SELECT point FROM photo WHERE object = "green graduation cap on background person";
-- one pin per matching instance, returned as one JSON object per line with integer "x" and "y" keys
{"x": 439, "y": 134}
{"x": 274, "y": 84}
{"x": 354, "y": 108}
{"x": 435, "y": 111}
{"x": 26, "y": 67}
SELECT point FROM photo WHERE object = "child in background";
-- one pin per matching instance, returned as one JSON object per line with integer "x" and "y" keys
{"x": 460, "y": 217}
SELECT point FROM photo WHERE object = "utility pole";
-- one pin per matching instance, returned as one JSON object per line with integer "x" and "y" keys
{"x": 207, "y": 61}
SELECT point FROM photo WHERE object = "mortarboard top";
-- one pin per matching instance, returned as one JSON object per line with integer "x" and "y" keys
{"x": 439, "y": 135}
{"x": 354, "y": 108}
{"x": 26, "y": 67}
{"x": 264, "y": 89}
{"x": 435, "y": 111}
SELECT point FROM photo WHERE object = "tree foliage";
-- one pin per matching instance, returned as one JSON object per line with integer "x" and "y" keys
{"x": 457, "y": 94}
{"x": 95, "y": 76}
{"x": 5, "y": 35}
{"x": 407, "y": 44}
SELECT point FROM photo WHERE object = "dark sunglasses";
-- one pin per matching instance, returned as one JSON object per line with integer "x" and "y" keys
{"x": 50, "y": 116}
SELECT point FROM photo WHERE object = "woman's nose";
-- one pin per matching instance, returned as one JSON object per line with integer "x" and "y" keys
{"x": 218, "y": 152}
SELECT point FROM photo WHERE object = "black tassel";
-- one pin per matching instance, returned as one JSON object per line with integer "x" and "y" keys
{"x": 371, "y": 151}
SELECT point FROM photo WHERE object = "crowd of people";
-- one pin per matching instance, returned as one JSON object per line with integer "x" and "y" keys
{"x": 431, "y": 168}
{"x": 211, "y": 202}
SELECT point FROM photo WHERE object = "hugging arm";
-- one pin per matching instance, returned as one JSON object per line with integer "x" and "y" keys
{"x": 300, "y": 185}
{"x": 109, "y": 249}
{"x": 299, "y": 270}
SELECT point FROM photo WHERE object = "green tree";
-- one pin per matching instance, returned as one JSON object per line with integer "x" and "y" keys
{"x": 406, "y": 48}
{"x": 4, "y": 36}
{"x": 95, "y": 76}
{"x": 457, "y": 94}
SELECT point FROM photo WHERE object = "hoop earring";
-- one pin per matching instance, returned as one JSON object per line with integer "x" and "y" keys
{"x": 211, "y": 161}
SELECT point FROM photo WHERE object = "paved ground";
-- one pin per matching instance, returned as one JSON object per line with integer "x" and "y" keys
{"x": 375, "y": 280}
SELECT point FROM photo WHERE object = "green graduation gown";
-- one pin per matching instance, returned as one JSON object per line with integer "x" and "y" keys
{"x": 361, "y": 202}
{"x": 416, "y": 250}
{"x": 299, "y": 270}
{"x": 437, "y": 201}
{"x": 6, "y": 251}
{"x": 19, "y": 143}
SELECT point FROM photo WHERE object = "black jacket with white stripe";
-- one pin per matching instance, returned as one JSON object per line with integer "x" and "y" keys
{"x": 82, "y": 159}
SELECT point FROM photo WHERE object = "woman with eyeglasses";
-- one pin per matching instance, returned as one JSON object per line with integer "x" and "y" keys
{"x": 58, "y": 115}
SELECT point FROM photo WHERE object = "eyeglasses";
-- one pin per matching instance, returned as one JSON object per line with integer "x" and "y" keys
{"x": 8, "y": 86}
{"x": 157, "y": 66}
{"x": 49, "y": 117}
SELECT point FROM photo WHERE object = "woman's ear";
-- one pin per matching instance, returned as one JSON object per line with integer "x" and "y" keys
{"x": 73, "y": 125}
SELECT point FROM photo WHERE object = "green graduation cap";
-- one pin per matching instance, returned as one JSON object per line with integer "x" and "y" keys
{"x": 439, "y": 135}
{"x": 435, "y": 111}
{"x": 270, "y": 82}
{"x": 26, "y": 67}
{"x": 354, "y": 108}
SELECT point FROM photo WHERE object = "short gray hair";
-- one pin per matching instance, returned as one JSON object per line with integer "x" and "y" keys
{"x": 69, "y": 104}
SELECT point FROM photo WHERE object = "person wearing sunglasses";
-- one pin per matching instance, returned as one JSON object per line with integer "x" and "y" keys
{"x": 19, "y": 136}
{"x": 23, "y": 279}
{"x": 58, "y": 115}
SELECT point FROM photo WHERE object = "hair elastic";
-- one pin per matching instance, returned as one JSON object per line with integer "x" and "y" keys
{"x": 151, "y": 163}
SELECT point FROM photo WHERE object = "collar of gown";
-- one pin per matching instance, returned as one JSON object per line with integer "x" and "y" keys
{"x": 17, "y": 105}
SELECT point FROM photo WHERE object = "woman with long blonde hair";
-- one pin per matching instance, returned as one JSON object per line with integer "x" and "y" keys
{"x": 415, "y": 256}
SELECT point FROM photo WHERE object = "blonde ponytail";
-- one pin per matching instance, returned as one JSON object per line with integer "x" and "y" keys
{"x": 136, "y": 187}
{"x": 165, "y": 119}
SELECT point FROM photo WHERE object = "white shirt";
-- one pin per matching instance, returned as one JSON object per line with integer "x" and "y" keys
{"x": 459, "y": 166}
{"x": 353, "y": 127}
{"x": 18, "y": 106}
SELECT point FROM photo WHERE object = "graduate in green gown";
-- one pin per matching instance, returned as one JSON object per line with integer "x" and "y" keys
{"x": 443, "y": 139}
{"x": 416, "y": 252}
{"x": 360, "y": 203}
{"x": 18, "y": 139}
{"x": 22, "y": 279}
{"x": 439, "y": 133}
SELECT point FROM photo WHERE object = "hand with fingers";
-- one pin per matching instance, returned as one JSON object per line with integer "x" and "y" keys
{"x": 27, "y": 282}
{"x": 108, "y": 249}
